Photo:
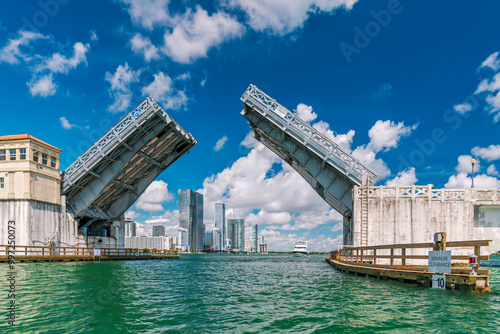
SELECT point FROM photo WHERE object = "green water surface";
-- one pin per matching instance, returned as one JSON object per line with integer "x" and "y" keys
{"x": 235, "y": 294}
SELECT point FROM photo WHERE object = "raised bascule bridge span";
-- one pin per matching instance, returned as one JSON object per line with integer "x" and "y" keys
{"x": 373, "y": 215}
{"x": 109, "y": 177}
{"x": 330, "y": 170}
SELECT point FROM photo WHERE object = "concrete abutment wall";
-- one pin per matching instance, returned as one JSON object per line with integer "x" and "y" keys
{"x": 412, "y": 214}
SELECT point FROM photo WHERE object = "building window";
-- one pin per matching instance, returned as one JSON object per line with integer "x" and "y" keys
{"x": 52, "y": 162}
{"x": 22, "y": 154}
{"x": 13, "y": 154}
{"x": 2, "y": 183}
{"x": 35, "y": 155}
{"x": 3, "y": 155}
{"x": 44, "y": 158}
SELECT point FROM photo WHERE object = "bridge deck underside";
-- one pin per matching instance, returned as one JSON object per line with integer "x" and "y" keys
{"x": 117, "y": 179}
{"x": 331, "y": 171}
{"x": 330, "y": 185}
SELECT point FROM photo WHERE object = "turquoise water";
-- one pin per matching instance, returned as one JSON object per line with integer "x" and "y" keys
{"x": 235, "y": 294}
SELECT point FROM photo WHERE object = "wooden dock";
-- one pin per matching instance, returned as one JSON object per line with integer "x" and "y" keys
{"x": 391, "y": 262}
{"x": 67, "y": 254}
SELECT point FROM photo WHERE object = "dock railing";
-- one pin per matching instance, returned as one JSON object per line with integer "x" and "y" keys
{"x": 48, "y": 251}
{"x": 398, "y": 254}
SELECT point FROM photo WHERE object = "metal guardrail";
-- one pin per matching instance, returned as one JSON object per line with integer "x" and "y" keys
{"x": 27, "y": 251}
{"x": 284, "y": 118}
{"x": 445, "y": 195}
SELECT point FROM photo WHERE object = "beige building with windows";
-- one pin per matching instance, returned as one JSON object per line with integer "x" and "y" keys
{"x": 30, "y": 195}
{"x": 29, "y": 170}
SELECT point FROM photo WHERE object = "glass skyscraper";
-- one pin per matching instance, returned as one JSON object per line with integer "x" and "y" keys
{"x": 220, "y": 223}
{"x": 191, "y": 217}
{"x": 255, "y": 236}
{"x": 236, "y": 233}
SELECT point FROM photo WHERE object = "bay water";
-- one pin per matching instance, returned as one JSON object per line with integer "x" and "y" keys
{"x": 221, "y": 293}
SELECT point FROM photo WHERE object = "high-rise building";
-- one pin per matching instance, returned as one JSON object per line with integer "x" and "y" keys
{"x": 182, "y": 239}
{"x": 209, "y": 241}
{"x": 158, "y": 231}
{"x": 130, "y": 228}
{"x": 216, "y": 246}
{"x": 263, "y": 248}
{"x": 220, "y": 223}
{"x": 236, "y": 233}
{"x": 255, "y": 236}
{"x": 191, "y": 217}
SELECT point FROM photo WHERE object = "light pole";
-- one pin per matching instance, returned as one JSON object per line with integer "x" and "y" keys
{"x": 473, "y": 161}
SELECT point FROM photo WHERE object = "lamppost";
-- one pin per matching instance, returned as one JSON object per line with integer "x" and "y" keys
{"x": 473, "y": 161}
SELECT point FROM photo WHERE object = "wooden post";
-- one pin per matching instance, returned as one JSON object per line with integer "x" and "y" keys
{"x": 403, "y": 256}
{"x": 477, "y": 252}
{"x": 361, "y": 256}
{"x": 392, "y": 256}
{"x": 443, "y": 240}
{"x": 375, "y": 256}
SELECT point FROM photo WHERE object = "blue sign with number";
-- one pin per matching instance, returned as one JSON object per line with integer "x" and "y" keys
{"x": 136, "y": 113}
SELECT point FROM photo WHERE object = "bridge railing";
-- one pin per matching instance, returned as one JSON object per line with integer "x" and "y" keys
{"x": 7, "y": 252}
{"x": 406, "y": 254}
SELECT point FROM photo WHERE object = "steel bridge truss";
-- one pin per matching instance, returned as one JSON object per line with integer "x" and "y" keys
{"x": 331, "y": 171}
{"x": 111, "y": 175}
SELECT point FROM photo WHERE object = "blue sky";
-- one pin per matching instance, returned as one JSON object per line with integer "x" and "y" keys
{"x": 410, "y": 87}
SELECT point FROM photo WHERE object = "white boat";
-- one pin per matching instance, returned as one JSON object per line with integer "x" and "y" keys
{"x": 301, "y": 248}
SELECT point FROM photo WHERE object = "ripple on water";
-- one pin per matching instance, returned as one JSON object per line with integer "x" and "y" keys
{"x": 236, "y": 294}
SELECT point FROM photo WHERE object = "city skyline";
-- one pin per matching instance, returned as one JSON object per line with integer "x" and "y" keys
{"x": 413, "y": 101}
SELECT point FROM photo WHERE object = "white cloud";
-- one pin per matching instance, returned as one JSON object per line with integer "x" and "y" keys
{"x": 384, "y": 90}
{"x": 404, "y": 178}
{"x": 58, "y": 63}
{"x": 305, "y": 113}
{"x": 462, "y": 108}
{"x": 492, "y": 170}
{"x": 183, "y": 76}
{"x": 343, "y": 140}
{"x": 489, "y": 153}
{"x": 387, "y": 134}
{"x": 170, "y": 220}
{"x": 67, "y": 125}
{"x": 12, "y": 54}
{"x": 43, "y": 86}
{"x": 93, "y": 36}
{"x": 161, "y": 89}
{"x": 121, "y": 81}
{"x": 384, "y": 135}
{"x": 492, "y": 62}
{"x": 154, "y": 196}
{"x": 131, "y": 214}
{"x": 143, "y": 45}
{"x": 489, "y": 89}
{"x": 481, "y": 181}
{"x": 220, "y": 143}
{"x": 368, "y": 157}
{"x": 250, "y": 141}
{"x": 148, "y": 13}
{"x": 465, "y": 165}
{"x": 280, "y": 17}
{"x": 198, "y": 32}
